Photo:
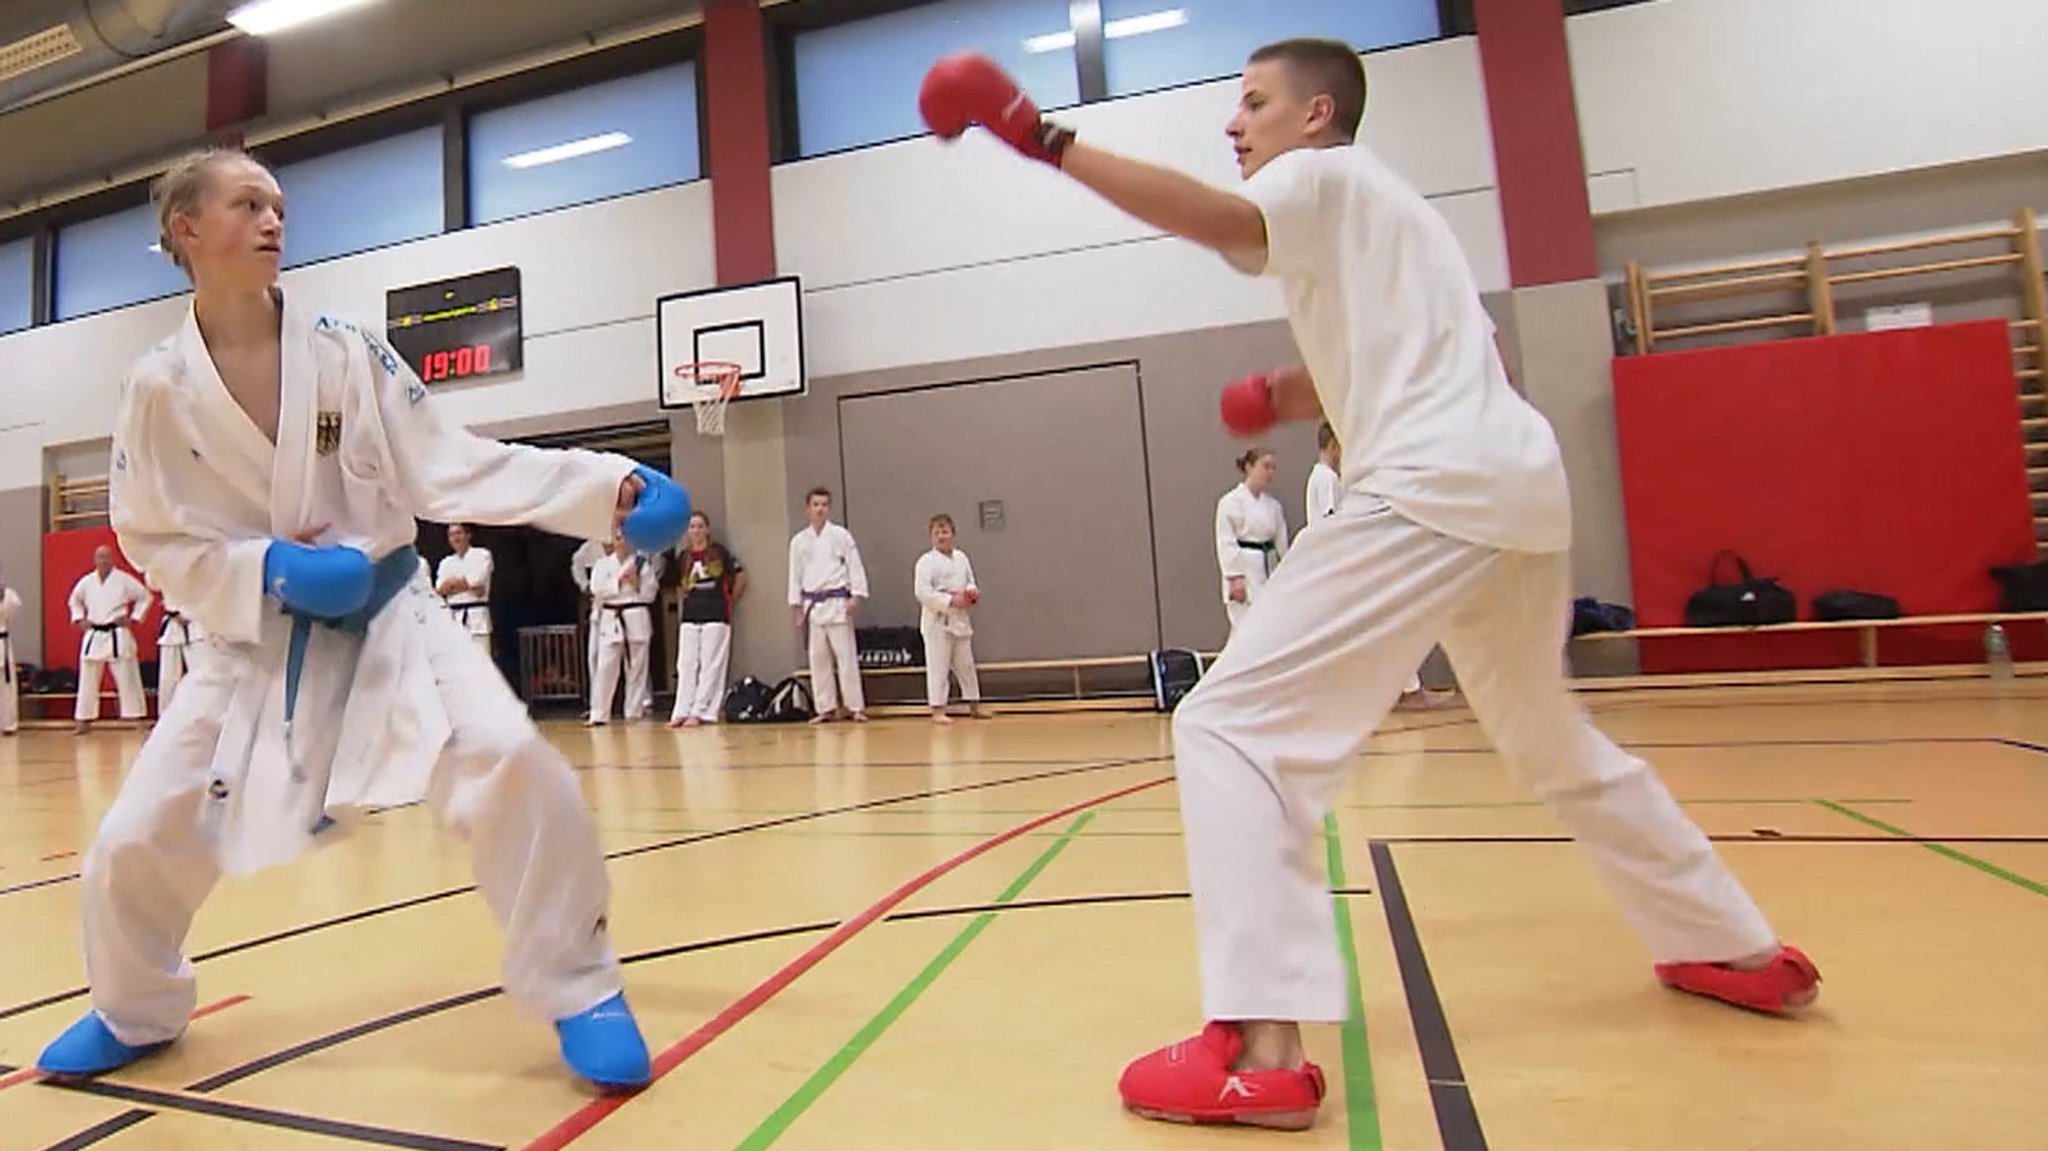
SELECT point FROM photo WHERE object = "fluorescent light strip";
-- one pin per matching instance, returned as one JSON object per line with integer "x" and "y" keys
{"x": 268, "y": 17}
{"x": 557, "y": 153}
{"x": 1114, "y": 30}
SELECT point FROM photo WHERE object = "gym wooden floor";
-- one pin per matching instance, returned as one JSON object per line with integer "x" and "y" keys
{"x": 900, "y": 937}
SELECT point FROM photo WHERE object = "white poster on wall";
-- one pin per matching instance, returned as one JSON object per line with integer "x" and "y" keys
{"x": 1898, "y": 316}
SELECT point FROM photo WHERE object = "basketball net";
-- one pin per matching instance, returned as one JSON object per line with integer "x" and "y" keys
{"x": 711, "y": 409}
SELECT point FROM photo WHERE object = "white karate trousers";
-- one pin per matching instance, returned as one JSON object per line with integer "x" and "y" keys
{"x": 127, "y": 670}
{"x": 471, "y": 616}
{"x": 10, "y": 689}
{"x": 1263, "y": 741}
{"x": 1254, "y": 586}
{"x": 946, "y": 654}
{"x": 833, "y": 644}
{"x": 702, "y": 652}
{"x": 170, "y": 672}
{"x": 622, "y": 638}
{"x": 499, "y": 785}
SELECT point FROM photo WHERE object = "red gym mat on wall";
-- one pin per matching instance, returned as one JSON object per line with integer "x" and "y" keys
{"x": 1889, "y": 462}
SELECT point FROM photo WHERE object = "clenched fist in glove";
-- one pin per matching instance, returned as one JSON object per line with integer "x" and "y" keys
{"x": 1248, "y": 406}
{"x": 968, "y": 89}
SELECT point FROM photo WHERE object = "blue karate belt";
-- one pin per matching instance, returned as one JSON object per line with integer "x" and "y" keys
{"x": 387, "y": 579}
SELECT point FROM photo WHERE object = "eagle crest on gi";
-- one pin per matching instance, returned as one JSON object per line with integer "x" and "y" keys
{"x": 327, "y": 433}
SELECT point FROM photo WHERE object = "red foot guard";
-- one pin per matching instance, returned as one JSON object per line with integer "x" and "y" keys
{"x": 1787, "y": 983}
{"x": 1191, "y": 1082}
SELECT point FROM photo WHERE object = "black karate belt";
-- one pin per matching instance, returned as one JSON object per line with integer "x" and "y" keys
{"x": 164, "y": 629}
{"x": 1267, "y": 546}
{"x": 620, "y": 609}
{"x": 463, "y": 610}
{"x": 6, "y": 659}
{"x": 112, "y": 629}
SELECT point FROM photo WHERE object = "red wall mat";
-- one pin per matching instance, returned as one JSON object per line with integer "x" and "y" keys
{"x": 1884, "y": 461}
{"x": 66, "y": 556}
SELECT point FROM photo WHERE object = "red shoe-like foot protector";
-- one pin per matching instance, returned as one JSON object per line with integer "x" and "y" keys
{"x": 1191, "y": 1082}
{"x": 1788, "y": 982}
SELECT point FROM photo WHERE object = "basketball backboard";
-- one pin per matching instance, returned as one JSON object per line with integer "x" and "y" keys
{"x": 757, "y": 326}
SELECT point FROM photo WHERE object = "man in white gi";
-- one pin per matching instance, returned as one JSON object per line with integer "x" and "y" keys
{"x": 10, "y": 669}
{"x": 269, "y": 464}
{"x": 623, "y": 585}
{"x": 1456, "y": 527}
{"x": 943, "y": 582}
{"x": 826, "y": 583}
{"x": 464, "y": 582}
{"x": 104, "y": 603}
{"x": 178, "y": 648}
{"x": 580, "y": 564}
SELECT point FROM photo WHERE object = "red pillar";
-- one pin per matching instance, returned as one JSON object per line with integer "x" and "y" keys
{"x": 736, "y": 113}
{"x": 237, "y": 87}
{"x": 1536, "y": 148}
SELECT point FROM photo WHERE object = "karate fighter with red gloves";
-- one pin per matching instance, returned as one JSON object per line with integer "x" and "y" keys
{"x": 1455, "y": 528}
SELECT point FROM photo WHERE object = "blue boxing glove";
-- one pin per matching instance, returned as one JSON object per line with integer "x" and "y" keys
{"x": 324, "y": 582}
{"x": 660, "y": 516}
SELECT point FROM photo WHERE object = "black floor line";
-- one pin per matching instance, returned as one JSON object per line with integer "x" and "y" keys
{"x": 31, "y": 886}
{"x": 662, "y": 845}
{"x": 99, "y": 1131}
{"x": 1457, "y": 1121}
{"x": 267, "y": 1117}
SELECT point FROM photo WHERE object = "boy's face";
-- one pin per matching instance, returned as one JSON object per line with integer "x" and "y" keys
{"x": 819, "y": 509}
{"x": 1272, "y": 117}
{"x": 237, "y": 236}
{"x": 942, "y": 536}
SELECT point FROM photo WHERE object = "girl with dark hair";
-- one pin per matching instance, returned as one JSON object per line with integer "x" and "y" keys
{"x": 1251, "y": 533}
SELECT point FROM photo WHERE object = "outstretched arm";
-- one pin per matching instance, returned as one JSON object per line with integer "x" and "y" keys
{"x": 1168, "y": 200}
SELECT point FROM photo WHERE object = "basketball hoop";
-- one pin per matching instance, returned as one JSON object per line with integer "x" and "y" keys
{"x": 719, "y": 374}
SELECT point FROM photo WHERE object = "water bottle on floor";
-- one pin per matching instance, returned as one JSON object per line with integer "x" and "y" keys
{"x": 1997, "y": 653}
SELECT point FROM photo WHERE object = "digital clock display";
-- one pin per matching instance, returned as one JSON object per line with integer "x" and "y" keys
{"x": 458, "y": 329}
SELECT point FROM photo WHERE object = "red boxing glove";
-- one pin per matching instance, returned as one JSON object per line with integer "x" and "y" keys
{"x": 1248, "y": 406}
{"x": 968, "y": 89}
{"x": 973, "y": 596}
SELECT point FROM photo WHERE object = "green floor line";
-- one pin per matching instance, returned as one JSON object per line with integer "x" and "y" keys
{"x": 1946, "y": 852}
{"x": 1361, "y": 1106}
{"x": 773, "y": 1127}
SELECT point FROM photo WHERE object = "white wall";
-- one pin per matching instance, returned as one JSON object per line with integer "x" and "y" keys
{"x": 590, "y": 276}
{"x": 911, "y": 253}
{"x": 1687, "y": 100}
{"x": 918, "y": 252}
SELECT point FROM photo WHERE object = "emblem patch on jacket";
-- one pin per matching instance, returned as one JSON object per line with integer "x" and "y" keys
{"x": 327, "y": 433}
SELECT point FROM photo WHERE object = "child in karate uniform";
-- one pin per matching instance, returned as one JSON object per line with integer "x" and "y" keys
{"x": 943, "y": 582}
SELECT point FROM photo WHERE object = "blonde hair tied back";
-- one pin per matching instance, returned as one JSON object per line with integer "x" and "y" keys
{"x": 177, "y": 193}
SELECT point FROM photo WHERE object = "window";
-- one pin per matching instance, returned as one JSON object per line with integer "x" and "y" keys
{"x": 609, "y": 139}
{"x": 1151, "y": 44}
{"x": 112, "y": 261}
{"x": 17, "y": 285}
{"x": 364, "y": 197}
{"x": 857, "y": 83}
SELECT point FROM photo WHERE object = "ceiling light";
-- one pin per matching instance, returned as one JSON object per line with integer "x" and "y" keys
{"x": 267, "y": 17}
{"x": 557, "y": 153}
{"x": 1149, "y": 22}
{"x": 1114, "y": 30}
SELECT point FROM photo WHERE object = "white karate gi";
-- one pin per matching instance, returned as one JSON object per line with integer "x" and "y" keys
{"x": 471, "y": 607}
{"x": 704, "y": 646}
{"x": 404, "y": 711}
{"x": 1325, "y": 496}
{"x": 104, "y": 609}
{"x": 948, "y": 632}
{"x": 1242, "y": 520}
{"x": 625, "y": 624}
{"x": 1455, "y": 527}
{"x": 825, "y": 577}
{"x": 1325, "y": 492}
{"x": 180, "y": 648}
{"x": 586, "y": 556}
{"x": 10, "y": 673}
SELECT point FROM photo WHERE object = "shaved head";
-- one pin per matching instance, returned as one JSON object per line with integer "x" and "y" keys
{"x": 1323, "y": 68}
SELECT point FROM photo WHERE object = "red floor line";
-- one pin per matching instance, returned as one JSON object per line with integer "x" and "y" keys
{"x": 595, "y": 1112}
{"x": 57, "y": 856}
{"x": 30, "y": 1074}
